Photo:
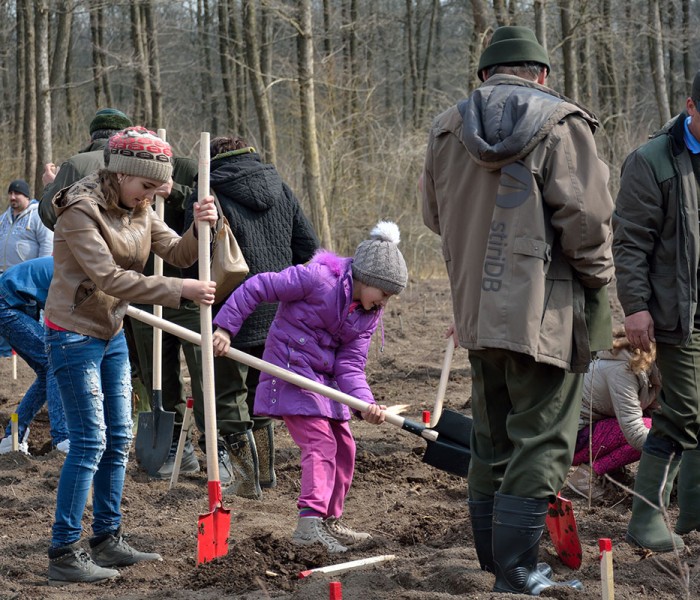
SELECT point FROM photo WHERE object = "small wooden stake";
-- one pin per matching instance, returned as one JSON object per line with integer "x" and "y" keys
{"x": 606, "y": 568}
{"x": 353, "y": 564}
{"x": 14, "y": 365}
{"x": 14, "y": 428}
{"x": 335, "y": 591}
{"x": 184, "y": 429}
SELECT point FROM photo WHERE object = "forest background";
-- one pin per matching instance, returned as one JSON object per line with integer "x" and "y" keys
{"x": 339, "y": 94}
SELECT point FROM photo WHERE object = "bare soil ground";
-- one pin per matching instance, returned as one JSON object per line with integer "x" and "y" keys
{"x": 414, "y": 511}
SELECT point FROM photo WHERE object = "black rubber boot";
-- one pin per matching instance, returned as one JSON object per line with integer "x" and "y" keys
{"x": 244, "y": 460}
{"x": 481, "y": 513}
{"x": 265, "y": 446}
{"x": 647, "y": 527}
{"x": 71, "y": 564}
{"x": 518, "y": 524}
{"x": 111, "y": 550}
{"x": 689, "y": 493}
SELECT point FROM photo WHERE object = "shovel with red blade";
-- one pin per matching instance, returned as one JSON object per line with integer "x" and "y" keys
{"x": 212, "y": 527}
{"x": 561, "y": 524}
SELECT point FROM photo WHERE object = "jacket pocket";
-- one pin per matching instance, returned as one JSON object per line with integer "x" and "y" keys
{"x": 663, "y": 304}
{"x": 84, "y": 291}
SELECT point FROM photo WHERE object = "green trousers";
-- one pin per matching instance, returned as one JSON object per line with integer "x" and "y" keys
{"x": 525, "y": 424}
{"x": 171, "y": 378}
{"x": 677, "y": 425}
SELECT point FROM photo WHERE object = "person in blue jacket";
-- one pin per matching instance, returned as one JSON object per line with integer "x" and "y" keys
{"x": 23, "y": 291}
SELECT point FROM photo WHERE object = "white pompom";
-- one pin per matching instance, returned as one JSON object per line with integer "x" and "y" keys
{"x": 386, "y": 231}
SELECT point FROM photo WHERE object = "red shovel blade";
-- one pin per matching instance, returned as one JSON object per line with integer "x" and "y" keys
{"x": 213, "y": 527}
{"x": 561, "y": 524}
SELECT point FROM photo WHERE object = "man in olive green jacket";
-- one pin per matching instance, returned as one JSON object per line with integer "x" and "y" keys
{"x": 514, "y": 187}
{"x": 657, "y": 256}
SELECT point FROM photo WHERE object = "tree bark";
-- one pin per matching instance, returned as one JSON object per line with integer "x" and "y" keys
{"x": 656, "y": 60}
{"x": 151, "y": 36}
{"x": 307, "y": 105}
{"x": 226, "y": 61}
{"x": 143, "y": 109}
{"x": 257, "y": 84}
{"x": 570, "y": 66}
{"x": 64, "y": 37}
{"x": 540, "y": 8}
{"x": 44, "y": 134}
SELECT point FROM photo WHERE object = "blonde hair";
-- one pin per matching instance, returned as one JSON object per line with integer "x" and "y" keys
{"x": 640, "y": 361}
{"x": 110, "y": 187}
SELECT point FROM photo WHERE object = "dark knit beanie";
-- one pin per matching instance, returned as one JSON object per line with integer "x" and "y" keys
{"x": 20, "y": 186}
{"x": 695, "y": 93}
{"x": 111, "y": 119}
{"x": 510, "y": 45}
{"x": 378, "y": 262}
{"x": 139, "y": 152}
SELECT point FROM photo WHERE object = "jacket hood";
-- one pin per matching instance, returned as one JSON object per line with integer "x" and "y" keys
{"x": 337, "y": 264}
{"x": 245, "y": 179}
{"x": 89, "y": 185}
{"x": 507, "y": 116}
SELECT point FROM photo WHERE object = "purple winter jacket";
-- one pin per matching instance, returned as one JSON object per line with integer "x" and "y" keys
{"x": 318, "y": 332}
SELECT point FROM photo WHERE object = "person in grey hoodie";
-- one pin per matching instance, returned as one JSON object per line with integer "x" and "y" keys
{"x": 514, "y": 186}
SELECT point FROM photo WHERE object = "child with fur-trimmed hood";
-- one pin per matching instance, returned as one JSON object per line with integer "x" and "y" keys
{"x": 328, "y": 310}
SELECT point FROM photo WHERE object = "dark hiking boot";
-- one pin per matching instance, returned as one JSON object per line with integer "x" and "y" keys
{"x": 111, "y": 550}
{"x": 226, "y": 475}
{"x": 265, "y": 446}
{"x": 244, "y": 460}
{"x": 189, "y": 463}
{"x": 71, "y": 564}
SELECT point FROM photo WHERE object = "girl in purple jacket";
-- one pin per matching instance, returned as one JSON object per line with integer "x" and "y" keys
{"x": 328, "y": 310}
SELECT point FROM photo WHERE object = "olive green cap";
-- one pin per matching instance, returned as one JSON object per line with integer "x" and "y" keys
{"x": 512, "y": 44}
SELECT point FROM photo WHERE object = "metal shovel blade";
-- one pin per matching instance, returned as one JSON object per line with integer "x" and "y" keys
{"x": 451, "y": 451}
{"x": 154, "y": 436}
{"x": 561, "y": 524}
{"x": 213, "y": 527}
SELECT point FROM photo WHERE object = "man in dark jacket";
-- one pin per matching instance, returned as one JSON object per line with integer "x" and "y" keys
{"x": 273, "y": 234}
{"x": 656, "y": 249}
{"x": 105, "y": 123}
{"x": 514, "y": 187}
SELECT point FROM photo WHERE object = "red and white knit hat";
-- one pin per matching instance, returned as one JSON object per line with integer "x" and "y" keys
{"x": 139, "y": 152}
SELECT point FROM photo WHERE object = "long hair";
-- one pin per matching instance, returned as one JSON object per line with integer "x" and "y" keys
{"x": 640, "y": 361}
{"x": 110, "y": 186}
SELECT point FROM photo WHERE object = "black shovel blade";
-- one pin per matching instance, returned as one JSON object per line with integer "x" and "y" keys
{"x": 451, "y": 451}
{"x": 154, "y": 436}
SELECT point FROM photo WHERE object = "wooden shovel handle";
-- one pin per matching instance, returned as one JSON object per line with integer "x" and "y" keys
{"x": 269, "y": 368}
{"x": 157, "y": 373}
{"x": 444, "y": 378}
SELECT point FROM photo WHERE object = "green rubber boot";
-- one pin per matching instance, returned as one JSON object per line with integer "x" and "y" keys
{"x": 647, "y": 527}
{"x": 689, "y": 493}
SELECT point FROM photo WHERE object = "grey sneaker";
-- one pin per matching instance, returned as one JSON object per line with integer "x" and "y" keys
{"x": 71, "y": 564}
{"x": 189, "y": 463}
{"x": 344, "y": 534}
{"x": 225, "y": 468}
{"x": 310, "y": 530}
{"x": 113, "y": 551}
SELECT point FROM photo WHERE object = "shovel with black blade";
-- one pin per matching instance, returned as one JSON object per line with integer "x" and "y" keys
{"x": 448, "y": 442}
{"x": 154, "y": 434}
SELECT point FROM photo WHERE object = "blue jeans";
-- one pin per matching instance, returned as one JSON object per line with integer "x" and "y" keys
{"x": 5, "y": 348}
{"x": 95, "y": 382}
{"x": 27, "y": 336}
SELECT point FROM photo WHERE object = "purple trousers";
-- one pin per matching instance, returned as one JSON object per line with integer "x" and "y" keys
{"x": 609, "y": 447}
{"x": 327, "y": 462}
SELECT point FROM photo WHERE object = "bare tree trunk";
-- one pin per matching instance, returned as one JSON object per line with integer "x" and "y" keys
{"x": 64, "y": 36}
{"x": 326, "y": 27}
{"x": 257, "y": 84}
{"x": 688, "y": 73}
{"x": 143, "y": 110}
{"x": 151, "y": 36}
{"x": 29, "y": 139}
{"x": 540, "y": 7}
{"x": 586, "y": 59}
{"x": 501, "y": 10}
{"x": 44, "y": 137}
{"x": 656, "y": 60}
{"x": 570, "y": 69}
{"x": 227, "y": 67}
{"x": 240, "y": 73}
{"x": 204, "y": 26}
{"x": 668, "y": 18}
{"x": 426, "y": 62}
{"x": 21, "y": 89}
{"x": 307, "y": 103}
{"x": 482, "y": 32}
{"x": 608, "y": 86}
{"x": 412, "y": 61}
{"x": 100, "y": 79}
